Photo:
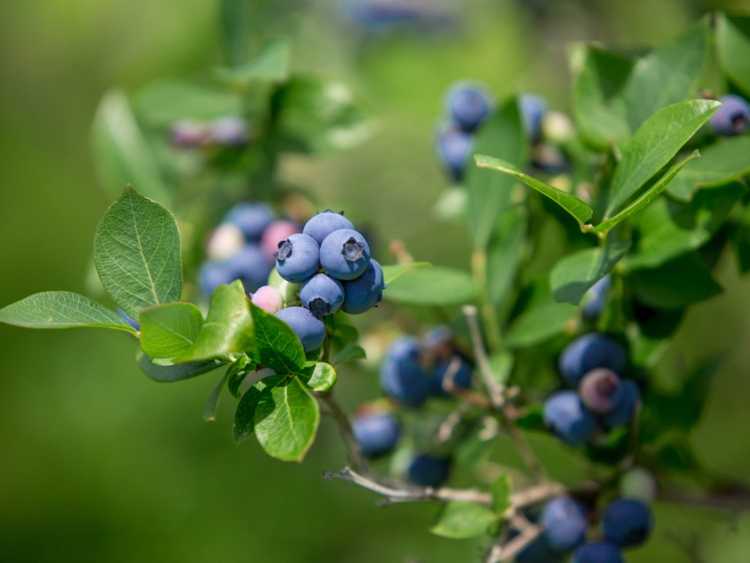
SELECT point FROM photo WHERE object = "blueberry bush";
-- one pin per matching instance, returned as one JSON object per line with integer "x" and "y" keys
{"x": 211, "y": 263}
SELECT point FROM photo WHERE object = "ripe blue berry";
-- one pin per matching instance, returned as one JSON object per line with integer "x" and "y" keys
{"x": 450, "y": 374}
{"x": 564, "y": 524}
{"x": 251, "y": 266}
{"x": 366, "y": 291}
{"x": 596, "y": 298}
{"x": 212, "y": 275}
{"x": 251, "y": 218}
{"x": 601, "y": 390}
{"x": 298, "y": 258}
{"x": 344, "y": 254}
{"x": 598, "y": 552}
{"x": 732, "y": 117}
{"x": 567, "y": 416}
{"x": 429, "y": 470}
{"x": 589, "y": 352}
{"x": 454, "y": 149}
{"x": 322, "y": 294}
{"x": 402, "y": 376}
{"x": 310, "y": 330}
{"x": 538, "y": 551}
{"x": 439, "y": 343}
{"x": 377, "y": 434}
{"x": 627, "y": 522}
{"x": 468, "y": 105}
{"x": 624, "y": 410}
{"x": 533, "y": 109}
{"x": 321, "y": 225}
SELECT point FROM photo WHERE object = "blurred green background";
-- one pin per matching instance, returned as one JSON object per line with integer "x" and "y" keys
{"x": 99, "y": 463}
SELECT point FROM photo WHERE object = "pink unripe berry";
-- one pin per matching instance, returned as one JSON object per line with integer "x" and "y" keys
{"x": 274, "y": 234}
{"x": 226, "y": 241}
{"x": 267, "y": 298}
{"x": 600, "y": 390}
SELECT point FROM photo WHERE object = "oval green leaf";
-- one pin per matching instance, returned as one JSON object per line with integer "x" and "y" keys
{"x": 432, "y": 286}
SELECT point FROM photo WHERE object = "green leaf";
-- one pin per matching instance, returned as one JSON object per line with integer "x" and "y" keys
{"x": 501, "y": 495}
{"x": 505, "y": 252}
{"x": 461, "y": 520}
{"x": 271, "y": 65}
{"x": 646, "y": 198}
{"x": 668, "y": 228}
{"x": 501, "y": 365}
{"x": 137, "y": 253}
{"x": 539, "y": 323}
{"x": 574, "y": 274}
{"x": 121, "y": 153}
{"x": 228, "y": 328}
{"x": 244, "y": 416}
{"x": 322, "y": 376}
{"x": 432, "y": 286}
{"x": 286, "y": 420}
{"x": 652, "y": 147}
{"x": 532, "y": 419}
{"x": 349, "y": 353}
{"x": 667, "y": 75}
{"x": 61, "y": 309}
{"x": 395, "y": 271}
{"x": 162, "y": 103}
{"x": 725, "y": 161}
{"x": 598, "y": 103}
{"x": 682, "y": 281}
{"x": 237, "y": 372}
{"x": 236, "y": 31}
{"x": 169, "y": 374}
{"x": 733, "y": 48}
{"x": 278, "y": 347}
{"x": 212, "y": 403}
{"x": 502, "y": 136}
{"x": 170, "y": 331}
{"x": 577, "y": 208}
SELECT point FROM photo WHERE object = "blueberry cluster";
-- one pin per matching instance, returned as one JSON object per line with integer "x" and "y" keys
{"x": 243, "y": 246}
{"x": 564, "y": 522}
{"x": 591, "y": 364}
{"x": 468, "y": 106}
{"x": 332, "y": 264}
{"x": 222, "y": 132}
{"x": 413, "y": 371}
{"x": 732, "y": 117}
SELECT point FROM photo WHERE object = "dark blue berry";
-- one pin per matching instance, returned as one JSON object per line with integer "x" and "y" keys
{"x": 589, "y": 352}
{"x": 564, "y": 524}
{"x": 322, "y": 224}
{"x": 429, "y": 470}
{"x": 468, "y": 105}
{"x": 732, "y": 117}
{"x": 567, "y": 416}
{"x": 366, "y": 291}
{"x": 627, "y": 403}
{"x": 533, "y": 109}
{"x": 401, "y": 374}
{"x": 377, "y": 434}
{"x": 454, "y": 149}
{"x": 310, "y": 330}
{"x": 598, "y": 552}
{"x": 596, "y": 298}
{"x": 251, "y": 218}
{"x": 627, "y": 522}
{"x": 298, "y": 258}
{"x": 251, "y": 266}
{"x": 322, "y": 294}
{"x": 454, "y": 373}
{"x": 344, "y": 254}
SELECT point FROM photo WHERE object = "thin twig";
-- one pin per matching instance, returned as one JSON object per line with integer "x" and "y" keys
{"x": 396, "y": 494}
{"x": 353, "y": 451}
{"x": 448, "y": 425}
{"x": 505, "y": 551}
{"x": 494, "y": 388}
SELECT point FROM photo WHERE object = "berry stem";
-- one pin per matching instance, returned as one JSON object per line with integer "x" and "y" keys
{"x": 489, "y": 315}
